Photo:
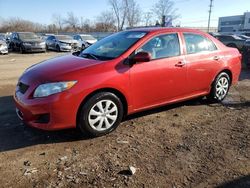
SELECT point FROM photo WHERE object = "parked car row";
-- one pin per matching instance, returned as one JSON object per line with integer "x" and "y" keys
{"x": 30, "y": 42}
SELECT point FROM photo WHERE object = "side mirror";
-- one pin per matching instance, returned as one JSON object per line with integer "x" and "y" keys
{"x": 141, "y": 57}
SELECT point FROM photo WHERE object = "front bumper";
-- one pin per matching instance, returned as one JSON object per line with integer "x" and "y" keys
{"x": 50, "y": 113}
{"x": 34, "y": 48}
{"x": 4, "y": 50}
{"x": 65, "y": 48}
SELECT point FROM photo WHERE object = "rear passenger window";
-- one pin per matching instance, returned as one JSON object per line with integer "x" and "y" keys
{"x": 196, "y": 43}
{"x": 162, "y": 46}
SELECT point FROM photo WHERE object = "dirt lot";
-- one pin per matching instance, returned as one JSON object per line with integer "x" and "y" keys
{"x": 191, "y": 144}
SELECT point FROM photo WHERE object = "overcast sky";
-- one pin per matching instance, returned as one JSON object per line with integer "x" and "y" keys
{"x": 193, "y": 12}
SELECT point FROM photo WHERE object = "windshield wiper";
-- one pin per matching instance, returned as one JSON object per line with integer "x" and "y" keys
{"x": 93, "y": 56}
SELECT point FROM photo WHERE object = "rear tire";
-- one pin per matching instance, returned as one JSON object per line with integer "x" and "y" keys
{"x": 58, "y": 48}
{"x": 220, "y": 88}
{"x": 21, "y": 50}
{"x": 232, "y": 45}
{"x": 101, "y": 114}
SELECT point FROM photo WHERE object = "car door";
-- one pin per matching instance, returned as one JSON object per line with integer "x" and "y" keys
{"x": 164, "y": 77}
{"x": 202, "y": 62}
{"x": 15, "y": 41}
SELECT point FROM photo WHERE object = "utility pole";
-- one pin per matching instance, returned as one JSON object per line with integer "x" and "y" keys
{"x": 209, "y": 17}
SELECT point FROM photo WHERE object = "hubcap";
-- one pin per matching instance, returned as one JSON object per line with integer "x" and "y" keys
{"x": 222, "y": 88}
{"x": 103, "y": 115}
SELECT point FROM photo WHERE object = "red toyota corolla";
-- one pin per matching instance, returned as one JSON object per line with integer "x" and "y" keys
{"x": 124, "y": 73}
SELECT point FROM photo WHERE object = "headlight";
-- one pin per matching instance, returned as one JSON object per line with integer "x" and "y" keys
{"x": 26, "y": 44}
{"x": 45, "y": 90}
{"x": 42, "y": 43}
{"x": 64, "y": 44}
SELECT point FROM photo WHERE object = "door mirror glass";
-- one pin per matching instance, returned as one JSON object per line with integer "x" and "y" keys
{"x": 141, "y": 57}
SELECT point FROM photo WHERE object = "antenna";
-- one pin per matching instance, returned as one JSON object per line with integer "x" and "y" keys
{"x": 210, "y": 11}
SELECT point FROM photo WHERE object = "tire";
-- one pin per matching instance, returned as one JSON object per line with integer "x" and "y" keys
{"x": 220, "y": 87}
{"x": 232, "y": 45}
{"x": 12, "y": 47}
{"x": 83, "y": 47}
{"x": 58, "y": 48}
{"x": 46, "y": 48}
{"x": 21, "y": 50}
{"x": 95, "y": 120}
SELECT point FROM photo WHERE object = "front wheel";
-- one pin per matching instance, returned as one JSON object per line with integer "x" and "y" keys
{"x": 101, "y": 114}
{"x": 220, "y": 87}
{"x": 58, "y": 48}
{"x": 21, "y": 50}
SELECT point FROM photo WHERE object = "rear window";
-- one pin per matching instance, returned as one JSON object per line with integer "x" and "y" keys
{"x": 196, "y": 43}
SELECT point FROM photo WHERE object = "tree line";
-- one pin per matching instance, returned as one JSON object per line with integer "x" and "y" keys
{"x": 121, "y": 14}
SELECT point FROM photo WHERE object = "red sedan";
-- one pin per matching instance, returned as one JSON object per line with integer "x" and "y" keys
{"x": 127, "y": 72}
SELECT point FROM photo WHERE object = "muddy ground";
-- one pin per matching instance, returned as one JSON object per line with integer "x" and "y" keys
{"x": 190, "y": 144}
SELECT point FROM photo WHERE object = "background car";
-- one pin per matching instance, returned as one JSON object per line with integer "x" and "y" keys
{"x": 244, "y": 37}
{"x": 3, "y": 46}
{"x": 26, "y": 42}
{"x": 85, "y": 40}
{"x": 246, "y": 53}
{"x": 231, "y": 41}
{"x": 62, "y": 43}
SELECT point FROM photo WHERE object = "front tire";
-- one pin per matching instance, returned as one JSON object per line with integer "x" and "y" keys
{"x": 21, "y": 50}
{"x": 220, "y": 87}
{"x": 101, "y": 114}
{"x": 58, "y": 48}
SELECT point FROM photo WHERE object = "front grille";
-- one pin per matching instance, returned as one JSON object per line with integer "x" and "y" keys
{"x": 22, "y": 87}
{"x": 74, "y": 45}
{"x": 43, "y": 119}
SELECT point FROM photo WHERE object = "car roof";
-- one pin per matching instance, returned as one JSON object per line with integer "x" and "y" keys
{"x": 24, "y": 32}
{"x": 166, "y": 29}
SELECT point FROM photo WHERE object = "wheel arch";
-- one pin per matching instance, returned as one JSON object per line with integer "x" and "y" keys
{"x": 111, "y": 90}
{"x": 226, "y": 70}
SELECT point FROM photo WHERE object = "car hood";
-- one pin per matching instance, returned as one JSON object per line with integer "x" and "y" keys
{"x": 68, "y": 41}
{"x": 32, "y": 40}
{"x": 56, "y": 68}
{"x": 91, "y": 41}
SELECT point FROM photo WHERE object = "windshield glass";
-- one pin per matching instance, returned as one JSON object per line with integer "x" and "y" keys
{"x": 26, "y": 36}
{"x": 64, "y": 37}
{"x": 87, "y": 37}
{"x": 114, "y": 45}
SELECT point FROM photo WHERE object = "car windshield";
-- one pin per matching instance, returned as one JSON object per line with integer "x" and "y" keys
{"x": 87, "y": 37}
{"x": 64, "y": 37}
{"x": 113, "y": 46}
{"x": 24, "y": 36}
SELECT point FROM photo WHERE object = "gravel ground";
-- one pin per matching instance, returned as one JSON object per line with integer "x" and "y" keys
{"x": 190, "y": 144}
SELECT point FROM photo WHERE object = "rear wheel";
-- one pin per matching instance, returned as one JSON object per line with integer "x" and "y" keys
{"x": 21, "y": 50}
{"x": 58, "y": 48}
{"x": 220, "y": 87}
{"x": 101, "y": 114}
{"x": 232, "y": 45}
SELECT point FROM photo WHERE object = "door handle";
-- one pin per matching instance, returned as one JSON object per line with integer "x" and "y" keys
{"x": 180, "y": 64}
{"x": 216, "y": 58}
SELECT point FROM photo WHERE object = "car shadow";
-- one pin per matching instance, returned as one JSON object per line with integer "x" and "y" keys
{"x": 15, "y": 135}
{"x": 241, "y": 182}
{"x": 245, "y": 74}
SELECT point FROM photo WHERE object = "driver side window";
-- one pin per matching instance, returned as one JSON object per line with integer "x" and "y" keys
{"x": 162, "y": 46}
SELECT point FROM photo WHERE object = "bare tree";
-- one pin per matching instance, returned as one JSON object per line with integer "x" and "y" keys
{"x": 119, "y": 8}
{"x": 133, "y": 13}
{"x": 72, "y": 21}
{"x": 17, "y": 24}
{"x": 105, "y": 22}
{"x": 148, "y": 18}
{"x": 58, "y": 21}
{"x": 165, "y": 8}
